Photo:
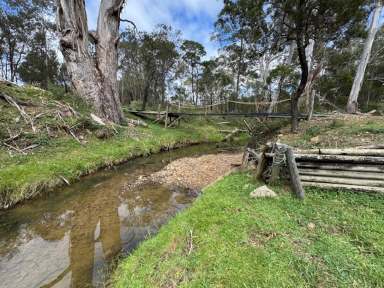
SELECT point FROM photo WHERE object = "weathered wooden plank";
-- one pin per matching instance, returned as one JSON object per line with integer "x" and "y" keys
{"x": 347, "y": 181}
{"x": 342, "y": 174}
{"x": 346, "y": 151}
{"x": 337, "y": 158}
{"x": 355, "y": 188}
{"x": 342, "y": 166}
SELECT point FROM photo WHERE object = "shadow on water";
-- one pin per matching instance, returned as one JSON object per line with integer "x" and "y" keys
{"x": 67, "y": 239}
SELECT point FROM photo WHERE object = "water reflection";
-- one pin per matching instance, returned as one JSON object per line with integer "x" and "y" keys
{"x": 67, "y": 239}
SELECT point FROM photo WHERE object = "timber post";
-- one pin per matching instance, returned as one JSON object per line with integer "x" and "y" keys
{"x": 261, "y": 163}
{"x": 294, "y": 173}
{"x": 166, "y": 116}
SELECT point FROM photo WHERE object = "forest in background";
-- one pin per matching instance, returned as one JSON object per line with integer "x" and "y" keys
{"x": 258, "y": 60}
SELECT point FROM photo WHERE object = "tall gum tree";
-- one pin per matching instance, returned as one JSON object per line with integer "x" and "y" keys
{"x": 352, "y": 105}
{"x": 323, "y": 21}
{"x": 91, "y": 56}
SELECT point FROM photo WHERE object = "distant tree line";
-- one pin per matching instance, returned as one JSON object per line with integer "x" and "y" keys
{"x": 319, "y": 54}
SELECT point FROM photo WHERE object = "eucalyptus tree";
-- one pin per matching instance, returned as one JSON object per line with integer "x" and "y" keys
{"x": 148, "y": 61}
{"x": 40, "y": 65}
{"x": 301, "y": 21}
{"x": 91, "y": 56}
{"x": 238, "y": 34}
{"x": 192, "y": 54}
{"x": 215, "y": 83}
{"x": 352, "y": 105}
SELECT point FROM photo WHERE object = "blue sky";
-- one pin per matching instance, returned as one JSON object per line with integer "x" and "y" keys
{"x": 195, "y": 18}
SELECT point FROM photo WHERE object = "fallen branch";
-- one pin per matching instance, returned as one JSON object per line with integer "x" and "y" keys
{"x": 14, "y": 148}
{"x": 65, "y": 180}
{"x": 19, "y": 102}
{"x": 137, "y": 122}
{"x": 25, "y": 116}
{"x": 232, "y": 134}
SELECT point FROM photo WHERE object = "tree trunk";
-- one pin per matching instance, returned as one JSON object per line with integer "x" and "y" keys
{"x": 352, "y": 105}
{"x": 239, "y": 68}
{"x": 93, "y": 76}
{"x": 276, "y": 94}
{"x": 300, "y": 89}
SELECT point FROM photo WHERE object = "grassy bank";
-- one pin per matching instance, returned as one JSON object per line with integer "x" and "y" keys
{"x": 227, "y": 239}
{"x": 57, "y": 156}
{"x": 25, "y": 176}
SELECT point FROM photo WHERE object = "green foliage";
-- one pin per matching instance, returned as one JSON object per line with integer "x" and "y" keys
{"x": 40, "y": 64}
{"x": 227, "y": 239}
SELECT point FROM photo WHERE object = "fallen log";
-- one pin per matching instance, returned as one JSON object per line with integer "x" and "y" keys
{"x": 342, "y": 167}
{"x": 355, "y": 188}
{"x": 347, "y": 181}
{"x": 347, "y": 151}
{"x": 232, "y": 134}
{"x": 377, "y": 146}
{"x": 342, "y": 174}
{"x": 336, "y": 158}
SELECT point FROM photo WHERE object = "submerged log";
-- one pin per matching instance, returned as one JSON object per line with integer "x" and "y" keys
{"x": 355, "y": 188}
{"x": 347, "y": 181}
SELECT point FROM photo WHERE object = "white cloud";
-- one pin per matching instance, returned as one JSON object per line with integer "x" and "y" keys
{"x": 194, "y": 18}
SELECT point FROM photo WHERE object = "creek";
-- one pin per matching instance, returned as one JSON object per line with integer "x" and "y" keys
{"x": 69, "y": 237}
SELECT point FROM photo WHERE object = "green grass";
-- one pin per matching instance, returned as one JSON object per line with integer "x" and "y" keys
{"x": 59, "y": 156}
{"x": 25, "y": 176}
{"x": 330, "y": 240}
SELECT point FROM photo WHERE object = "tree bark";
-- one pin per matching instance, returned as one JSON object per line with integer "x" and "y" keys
{"x": 352, "y": 106}
{"x": 301, "y": 88}
{"x": 276, "y": 94}
{"x": 94, "y": 77}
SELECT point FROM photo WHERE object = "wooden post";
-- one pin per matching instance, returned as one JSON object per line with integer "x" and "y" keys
{"x": 166, "y": 116}
{"x": 262, "y": 163}
{"x": 294, "y": 173}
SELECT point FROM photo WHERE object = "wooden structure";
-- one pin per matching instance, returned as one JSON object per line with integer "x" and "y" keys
{"x": 171, "y": 118}
{"x": 357, "y": 169}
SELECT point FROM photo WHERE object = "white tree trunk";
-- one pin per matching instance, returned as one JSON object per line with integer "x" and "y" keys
{"x": 91, "y": 57}
{"x": 276, "y": 92}
{"x": 352, "y": 105}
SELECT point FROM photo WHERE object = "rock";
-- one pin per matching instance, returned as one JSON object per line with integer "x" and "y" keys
{"x": 311, "y": 226}
{"x": 315, "y": 140}
{"x": 262, "y": 192}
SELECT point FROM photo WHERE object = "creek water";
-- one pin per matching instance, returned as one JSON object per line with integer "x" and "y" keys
{"x": 68, "y": 238}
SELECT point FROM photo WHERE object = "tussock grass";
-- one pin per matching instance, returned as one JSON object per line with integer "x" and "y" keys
{"x": 332, "y": 239}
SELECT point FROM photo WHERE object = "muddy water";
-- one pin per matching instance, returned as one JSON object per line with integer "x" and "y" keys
{"x": 67, "y": 239}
